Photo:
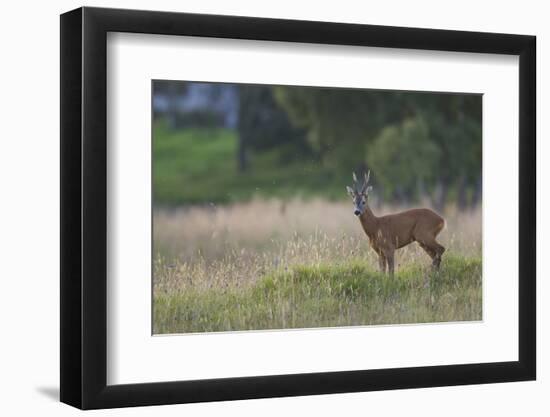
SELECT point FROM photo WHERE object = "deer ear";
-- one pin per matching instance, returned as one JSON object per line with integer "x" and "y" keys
{"x": 368, "y": 190}
{"x": 350, "y": 191}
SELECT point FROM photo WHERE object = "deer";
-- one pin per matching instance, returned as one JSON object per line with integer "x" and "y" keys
{"x": 394, "y": 231}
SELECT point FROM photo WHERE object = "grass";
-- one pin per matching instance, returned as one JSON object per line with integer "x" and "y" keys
{"x": 198, "y": 166}
{"x": 327, "y": 295}
{"x": 273, "y": 264}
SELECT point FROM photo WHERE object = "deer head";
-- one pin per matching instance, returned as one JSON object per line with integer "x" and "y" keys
{"x": 360, "y": 195}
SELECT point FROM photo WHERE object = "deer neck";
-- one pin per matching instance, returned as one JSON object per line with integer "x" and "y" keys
{"x": 369, "y": 222}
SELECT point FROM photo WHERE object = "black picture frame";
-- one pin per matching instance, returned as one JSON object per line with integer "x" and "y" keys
{"x": 84, "y": 207}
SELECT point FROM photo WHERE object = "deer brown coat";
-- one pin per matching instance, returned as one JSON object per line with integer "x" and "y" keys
{"x": 393, "y": 231}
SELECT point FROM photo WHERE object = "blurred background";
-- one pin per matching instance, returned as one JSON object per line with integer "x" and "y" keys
{"x": 216, "y": 143}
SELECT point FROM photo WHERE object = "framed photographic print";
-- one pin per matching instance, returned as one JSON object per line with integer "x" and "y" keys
{"x": 257, "y": 207}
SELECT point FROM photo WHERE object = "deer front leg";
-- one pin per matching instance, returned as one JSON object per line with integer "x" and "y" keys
{"x": 390, "y": 259}
{"x": 382, "y": 262}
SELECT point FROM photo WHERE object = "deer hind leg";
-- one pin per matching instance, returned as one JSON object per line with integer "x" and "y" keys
{"x": 431, "y": 253}
{"x": 439, "y": 249}
{"x": 434, "y": 250}
{"x": 432, "y": 247}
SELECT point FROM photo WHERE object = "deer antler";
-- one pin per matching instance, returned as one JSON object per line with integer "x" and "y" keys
{"x": 367, "y": 177}
{"x": 354, "y": 181}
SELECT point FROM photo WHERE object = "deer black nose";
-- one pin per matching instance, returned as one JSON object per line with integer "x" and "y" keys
{"x": 357, "y": 212}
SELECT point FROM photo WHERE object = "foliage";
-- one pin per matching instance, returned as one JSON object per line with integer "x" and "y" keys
{"x": 403, "y": 154}
{"x": 414, "y": 142}
{"x": 258, "y": 109}
{"x": 336, "y": 120}
{"x": 409, "y": 138}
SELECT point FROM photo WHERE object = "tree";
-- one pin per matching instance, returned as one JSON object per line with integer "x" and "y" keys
{"x": 455, "y": 125}
{"x": 338, "y": 120}
{"x": 343, "y": 124}
{"x": 402, "y": 156}
{"x": 263, "y": 125}
{"x": 172, "y": 91}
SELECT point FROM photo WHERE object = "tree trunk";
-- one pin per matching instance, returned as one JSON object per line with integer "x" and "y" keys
{"x": 476, "y": 199}
{"x": 401, "y": 195}
{"x": 440, "y": 195}
{"x": 172, "y": 108}
{"x": 242, "y": 155}
{"x": 461, "y": 193}
{"x": 420, "y": 190}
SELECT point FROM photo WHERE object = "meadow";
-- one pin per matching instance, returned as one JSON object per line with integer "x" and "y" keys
{"x": 274, "y": 263}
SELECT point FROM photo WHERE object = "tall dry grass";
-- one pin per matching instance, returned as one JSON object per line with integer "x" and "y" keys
{"x": 235, "y": 245}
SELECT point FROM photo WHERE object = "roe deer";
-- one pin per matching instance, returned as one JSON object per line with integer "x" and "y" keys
{"x": 391, "y": 232}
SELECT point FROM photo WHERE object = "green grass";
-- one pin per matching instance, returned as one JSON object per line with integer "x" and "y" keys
{"x": 199, "y": 166}
{"x": 327, "y": 295}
